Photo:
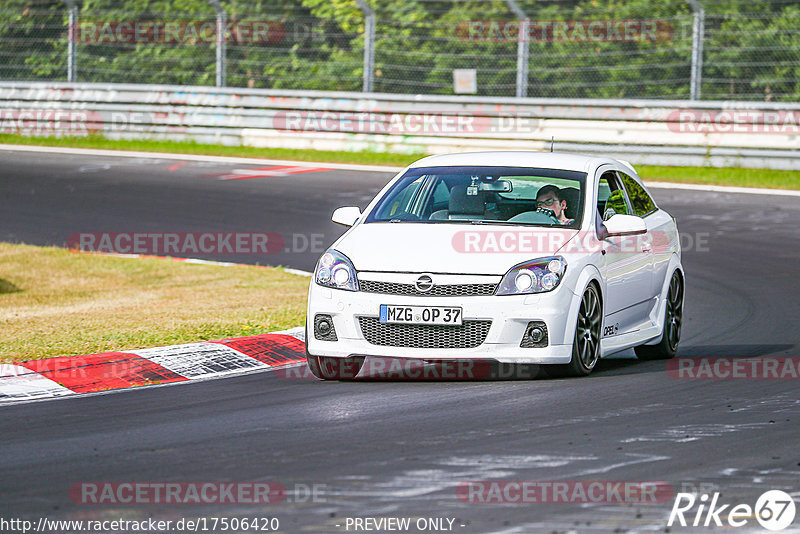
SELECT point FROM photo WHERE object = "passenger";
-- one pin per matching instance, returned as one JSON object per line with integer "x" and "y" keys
{"x": 549, "y": 197}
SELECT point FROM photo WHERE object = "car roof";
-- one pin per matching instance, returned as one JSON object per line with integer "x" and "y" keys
{"x": 517, "y": 158}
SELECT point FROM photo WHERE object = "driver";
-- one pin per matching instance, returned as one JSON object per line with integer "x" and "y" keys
{"x": 549, "y": 197}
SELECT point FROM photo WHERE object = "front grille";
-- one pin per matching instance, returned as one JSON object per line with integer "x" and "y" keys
{"x": 423, "y": 336}
{"x": 448, "y": 290}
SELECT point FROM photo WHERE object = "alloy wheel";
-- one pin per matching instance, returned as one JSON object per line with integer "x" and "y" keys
{"x": 587, "y": 333}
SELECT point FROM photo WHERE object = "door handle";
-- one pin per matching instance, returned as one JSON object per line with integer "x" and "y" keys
{"x": 647, "y": 248}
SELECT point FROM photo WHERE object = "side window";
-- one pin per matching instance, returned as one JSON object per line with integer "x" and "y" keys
{"x": 611, "y": 197}
{"x": 641, "y": 202}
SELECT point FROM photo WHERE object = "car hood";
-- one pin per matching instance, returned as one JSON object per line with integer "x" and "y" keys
{"x": 448, "y": 248}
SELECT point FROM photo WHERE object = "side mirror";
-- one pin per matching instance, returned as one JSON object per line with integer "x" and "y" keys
{"x": 622, "y": 225}
{"x": 346, "y": 216}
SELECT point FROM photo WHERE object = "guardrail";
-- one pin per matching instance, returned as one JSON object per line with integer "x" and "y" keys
{"x": 659, "y": 132}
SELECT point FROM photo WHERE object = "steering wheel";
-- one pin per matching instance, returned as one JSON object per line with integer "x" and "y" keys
{"x": 550, "y": 213}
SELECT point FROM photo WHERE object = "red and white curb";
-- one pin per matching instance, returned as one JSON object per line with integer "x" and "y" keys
{"x": 273, "y": 171}
{"x": 194, "y": 261}
{"x": 340, "y": 166}
{"x": 72, "y": 375}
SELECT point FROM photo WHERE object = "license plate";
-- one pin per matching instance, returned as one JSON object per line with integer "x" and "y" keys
{"x": 420, "y": 314}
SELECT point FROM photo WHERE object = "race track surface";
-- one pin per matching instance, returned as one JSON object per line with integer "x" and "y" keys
{"x": 400, "y": 448}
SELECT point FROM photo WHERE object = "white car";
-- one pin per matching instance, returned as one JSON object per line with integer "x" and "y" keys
{"x": 514, "y": 257}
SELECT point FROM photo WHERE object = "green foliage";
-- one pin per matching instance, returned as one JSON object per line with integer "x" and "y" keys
{"x": 751, "y": 49}
{"x": 29, "y": 40}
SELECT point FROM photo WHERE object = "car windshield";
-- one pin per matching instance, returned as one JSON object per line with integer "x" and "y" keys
{"x": 491, "y": 195}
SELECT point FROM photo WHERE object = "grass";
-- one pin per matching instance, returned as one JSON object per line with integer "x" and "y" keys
{"x": 735, "y": 176}
{"x": 54, "y": 302}
{"x": 189, "y": 147}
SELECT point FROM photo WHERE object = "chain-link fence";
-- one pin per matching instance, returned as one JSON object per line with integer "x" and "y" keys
{"x": 709, "y": 49}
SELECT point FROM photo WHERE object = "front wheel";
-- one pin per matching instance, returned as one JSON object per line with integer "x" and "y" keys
{"x": 586, "y": 345}
{"x": 328, "y": 368}
{"x": 671, "y": 334}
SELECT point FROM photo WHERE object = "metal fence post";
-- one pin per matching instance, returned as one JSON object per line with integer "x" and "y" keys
{"x": 522, "y": 49}
{"x": 222, "y": 22}
{"x": 698, "y": 31}
{"x": 72, "y": 35}
{"x": 369, "y": 44}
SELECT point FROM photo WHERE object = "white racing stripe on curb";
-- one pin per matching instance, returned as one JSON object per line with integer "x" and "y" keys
{"x": 210, "y": 262}
{"x": 345, "y": 166}
{"x": 19, "y": 383}
{"x": 194, "y": 361}
{"x": 201, "y": 360}
{"x": 203, "y": 262}
{"x": 724, "y": 189}
{"x": 198, "y": 157}
{"x": 299, "y": 332}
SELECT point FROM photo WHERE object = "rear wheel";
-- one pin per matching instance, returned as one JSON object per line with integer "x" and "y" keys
{"x": 586, "y": 345}
{"x": 671, "y": 335}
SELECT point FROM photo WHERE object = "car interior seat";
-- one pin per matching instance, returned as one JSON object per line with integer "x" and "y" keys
{"x": 462, "y": 206}
{"x": 572, "y": 196}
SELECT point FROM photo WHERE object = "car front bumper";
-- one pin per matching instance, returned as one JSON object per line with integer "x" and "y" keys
{"x": 509, "y": 316}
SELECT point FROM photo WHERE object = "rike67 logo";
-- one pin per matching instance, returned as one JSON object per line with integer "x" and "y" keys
{"x": 774, "y": 510}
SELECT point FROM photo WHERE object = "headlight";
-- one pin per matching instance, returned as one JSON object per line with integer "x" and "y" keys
{"x": 537, "y": 276}
{"x": 335, "y": 270}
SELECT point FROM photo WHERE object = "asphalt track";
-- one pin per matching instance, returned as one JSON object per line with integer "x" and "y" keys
{"x": 400, "y": 448}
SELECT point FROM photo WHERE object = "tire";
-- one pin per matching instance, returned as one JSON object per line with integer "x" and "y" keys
{"x": 586, "y": 344}
{"x": 671, "y": 334}
{"x": 328, "y": 368}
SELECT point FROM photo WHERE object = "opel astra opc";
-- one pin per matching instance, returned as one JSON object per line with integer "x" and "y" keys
{"x": 514, "y": 257}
